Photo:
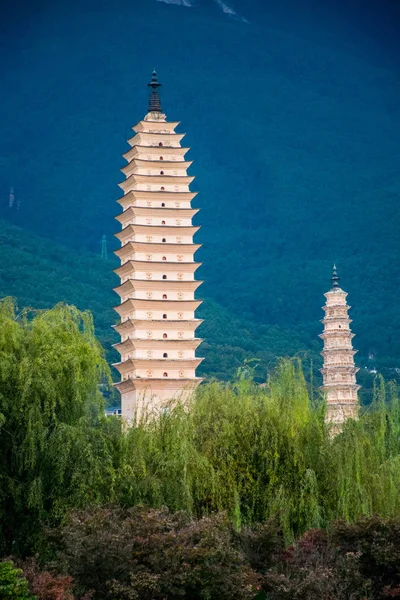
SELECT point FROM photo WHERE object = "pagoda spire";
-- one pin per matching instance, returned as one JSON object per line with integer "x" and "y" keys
{"x": 335, "y": 278}
{"x": 339, "y": 371}
{"x": 154, "y": 98}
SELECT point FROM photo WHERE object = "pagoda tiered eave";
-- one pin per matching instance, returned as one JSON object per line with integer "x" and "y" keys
{"x": 152, "y": 285}
{"x": 155, "y": 384}
{"x": 140, "y": 247}
{"x": 167, "y": 324}
{"x": 330, "y": 332}
{"x": 134, "y": 196}
{"x": 135, "y": 229}
{"x": 341, "y": 387}
{"x": 139, "y": 179}
{"x": 145, "y": 304}
{"x": 144, "y": 343}
{"x": 155, "y": 151}
{"x": 159, "y": 247}
{"x": 159, "y": 126}
{"x": 337, "y": 333}
{"x": 137, "y": 164}
{"x": 339, "y": 368}
{"x": 145, "y": 363}
{"x": 342, "y": 350}
{"x": 132, "y": 266}
{"x": 345, "y": 320}
{"x": 336, "y": 292}
{"x": 326, "y": 308}
{"x": 336, "y": 406}
{"x": 139, "y": 211}
{"x": 140, "y": 139}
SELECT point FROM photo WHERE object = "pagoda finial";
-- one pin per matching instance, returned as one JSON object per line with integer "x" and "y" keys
{"x": 335, "y": 278}
{"x": 154, "y": 98}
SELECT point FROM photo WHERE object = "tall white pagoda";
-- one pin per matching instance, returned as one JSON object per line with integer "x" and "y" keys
{"x": 157, "y": 273}
{"x": 339, "y": 371}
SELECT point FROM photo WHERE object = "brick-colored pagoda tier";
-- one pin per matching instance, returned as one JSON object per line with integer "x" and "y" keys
{"x": 339, "y": 371}
{"x": 157, "y": 310}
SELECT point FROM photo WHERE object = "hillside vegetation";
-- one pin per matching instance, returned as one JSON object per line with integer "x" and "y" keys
{"x": 39, "y": 273}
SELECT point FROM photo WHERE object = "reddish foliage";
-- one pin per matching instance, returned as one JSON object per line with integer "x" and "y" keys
{"x": 147, "y": 554}
{"x": 360, "y": 561}
{"x": 391, "y": 592}
{"x": 45, "y": 585}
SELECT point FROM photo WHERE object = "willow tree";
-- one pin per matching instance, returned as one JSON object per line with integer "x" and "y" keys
{"x": 251, "y": 452}
{"x": 261, "y": 453}
{"x": 54, "y": 441}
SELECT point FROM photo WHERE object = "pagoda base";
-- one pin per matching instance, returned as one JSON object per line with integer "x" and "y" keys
{"x": 338, "y": 413}
{"x": 144, "y": 399}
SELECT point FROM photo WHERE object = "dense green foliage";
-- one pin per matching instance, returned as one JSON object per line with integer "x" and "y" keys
{"x": 53, "y": 439}
{"x": 12, "y": 585}
{"x": 254, "y": 452}
{"x": 293, "y": 119}
{"x": 242, "y": 472}
{"x": 259, "y": 453}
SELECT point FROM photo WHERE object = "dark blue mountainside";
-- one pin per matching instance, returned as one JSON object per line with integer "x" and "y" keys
{"x": 292, "y": 111}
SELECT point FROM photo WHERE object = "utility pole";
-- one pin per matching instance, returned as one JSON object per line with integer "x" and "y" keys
{"x": 104, "y": 253}
{"x": 11, "y": 197}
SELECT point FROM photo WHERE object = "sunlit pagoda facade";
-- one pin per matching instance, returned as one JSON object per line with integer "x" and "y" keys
{"x": 339, "y": 371}
{"x": 157, "y": 274}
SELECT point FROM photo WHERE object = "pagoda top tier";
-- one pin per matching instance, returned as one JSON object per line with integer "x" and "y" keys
{"x": 155, "y": 127}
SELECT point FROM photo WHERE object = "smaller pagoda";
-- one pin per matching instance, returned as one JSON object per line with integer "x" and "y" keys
{"x": 339, "y": 371}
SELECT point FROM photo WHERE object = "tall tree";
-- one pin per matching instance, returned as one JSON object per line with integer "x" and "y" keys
{"x": 53, "y": 448}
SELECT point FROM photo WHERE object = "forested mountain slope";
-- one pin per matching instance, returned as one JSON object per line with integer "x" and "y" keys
{"x": 40, "y": 273}
{"x": 294, "y": 121}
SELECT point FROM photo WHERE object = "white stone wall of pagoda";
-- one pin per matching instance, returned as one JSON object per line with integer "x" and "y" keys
{"x": 157, "y": 273}
{"x": 339, "y": 370}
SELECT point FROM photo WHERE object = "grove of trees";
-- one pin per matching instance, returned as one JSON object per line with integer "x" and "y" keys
{"x": 242, "y": 492}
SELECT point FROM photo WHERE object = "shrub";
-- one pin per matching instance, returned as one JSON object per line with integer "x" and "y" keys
{"x": 360, "y": 561}
{"x": 45, "y": 585}
{"x": 140, "y": 554}
{"x": 12, "y": 585}
{"x": 148, "y": 554}
{"x": 374, "y": 544}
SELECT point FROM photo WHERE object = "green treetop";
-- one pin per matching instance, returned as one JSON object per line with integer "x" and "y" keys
{"x": 12, "y": 585}
{"x": 53, "y": 453}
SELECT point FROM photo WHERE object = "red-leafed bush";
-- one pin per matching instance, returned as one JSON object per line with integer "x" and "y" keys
{"x": 358, "y": 561}
{"x": 142, "y": 554}
{"x": 148, "y": 554}
{"x": 45, "y": 585}
{"x": 375, "y": 546}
